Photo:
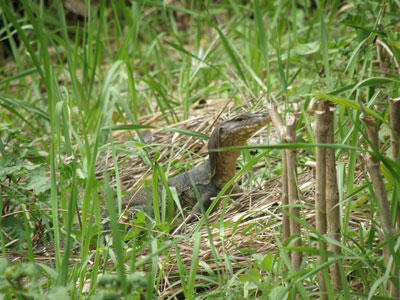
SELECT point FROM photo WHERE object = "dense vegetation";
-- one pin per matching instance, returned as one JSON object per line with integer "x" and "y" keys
{"x": 67, "y": 81}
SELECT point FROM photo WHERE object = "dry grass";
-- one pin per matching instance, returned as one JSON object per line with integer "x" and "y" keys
{"x": 252, "y": 218}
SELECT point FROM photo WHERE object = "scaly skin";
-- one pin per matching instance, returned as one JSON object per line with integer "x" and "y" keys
{"x": 211, "y": 176}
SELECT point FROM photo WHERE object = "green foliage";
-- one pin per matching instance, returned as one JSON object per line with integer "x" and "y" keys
{"x": 22, "y": 281}
{"x": 109, "y": 286}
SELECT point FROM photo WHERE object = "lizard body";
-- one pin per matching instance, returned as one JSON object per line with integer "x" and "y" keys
{"x": 211, "y": 176}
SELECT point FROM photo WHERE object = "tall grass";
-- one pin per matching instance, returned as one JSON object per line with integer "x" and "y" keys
{"x": 67, "y": 81}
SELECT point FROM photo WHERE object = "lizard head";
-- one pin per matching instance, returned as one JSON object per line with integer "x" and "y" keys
{"x": 233, "y": 132}
{"x": 236, "y": 131}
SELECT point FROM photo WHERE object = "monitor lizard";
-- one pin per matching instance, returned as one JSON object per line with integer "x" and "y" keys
{"x": 212, "y": 175}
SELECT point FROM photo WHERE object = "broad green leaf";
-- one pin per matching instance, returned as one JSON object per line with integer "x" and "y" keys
{"x": 348, "y": 103}
{"x": 394, "y": 44}
{"x": 373, "y": 81}
{"x": 38, "y": 181}
{"x": 306, "y": 49}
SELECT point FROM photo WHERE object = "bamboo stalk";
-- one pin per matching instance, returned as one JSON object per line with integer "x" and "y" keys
{"x": 281, "y": 129}
{"x": 285, "y": 196}
{"x": 320, "y": 131}
{"x": 289, "y": 179}
{"x": 373, "y": 166}
{"x": 294, "y": 201}
{"x": 332, "y": 198}
{"x": 395, "y": 138}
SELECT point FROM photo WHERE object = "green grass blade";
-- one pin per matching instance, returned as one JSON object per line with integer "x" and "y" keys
{"x": 228, "y": 48}
{"x": 20, "y": 75}
{"x": 194, "y": 265}
{"x": 25, "y": 106}
{"x": 324, "y": 44}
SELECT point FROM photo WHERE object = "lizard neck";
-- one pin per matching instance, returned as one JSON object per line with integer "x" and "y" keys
{"x": 223, "y": 166}
{"x": 234, "y": 132}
